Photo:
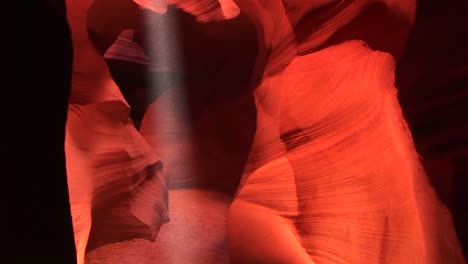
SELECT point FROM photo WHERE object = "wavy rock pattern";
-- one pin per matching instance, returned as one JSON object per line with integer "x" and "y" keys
{"x": 340, "y": 174}
{"x": 333, "y": 168}
{"x": 333, "y": 175}
{"x": 116, "y": 187}
{"x": 204, "y": 10}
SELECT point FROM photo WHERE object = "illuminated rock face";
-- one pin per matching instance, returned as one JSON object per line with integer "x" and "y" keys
{"x": 332, "y": 175}
{"x": 116, "y": 188}
{"x": 333, "y": 169}
{"x": 204, "y": 10}
{"x": 338, "y": 179}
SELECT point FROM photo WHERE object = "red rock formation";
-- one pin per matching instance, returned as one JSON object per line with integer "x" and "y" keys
{"x": 204, "y": 10}
{"x": 336, "y": 178}
{"x": 115, "y": 182}
{"x": 333, "y": 175}
{"x": 331, "y": 122}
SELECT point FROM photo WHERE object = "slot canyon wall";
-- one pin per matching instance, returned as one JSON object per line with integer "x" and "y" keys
{"x": 431, "y": 78}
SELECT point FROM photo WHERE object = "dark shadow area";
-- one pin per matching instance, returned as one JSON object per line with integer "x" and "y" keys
{"x": 432, "y": 78}
{"x": 36, "y": 86}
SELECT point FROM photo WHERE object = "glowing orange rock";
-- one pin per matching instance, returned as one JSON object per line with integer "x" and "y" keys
{"x": 333, "y": 175}
{"x": 115, "y": 183}
{"x": 338, "y": 179}
{"x": 203, "y": 10}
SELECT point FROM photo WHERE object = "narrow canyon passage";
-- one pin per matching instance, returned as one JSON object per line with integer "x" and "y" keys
{"x": 239, "y": 131}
